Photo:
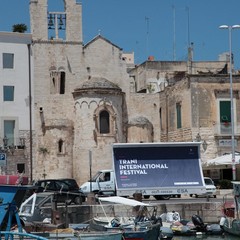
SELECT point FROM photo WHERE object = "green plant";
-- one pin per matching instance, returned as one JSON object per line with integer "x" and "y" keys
{"x": 150, "y": 88}
{"x": 225, "y": 184}
{"x": 21, "y": 28}
{"x": 43, "y": 150}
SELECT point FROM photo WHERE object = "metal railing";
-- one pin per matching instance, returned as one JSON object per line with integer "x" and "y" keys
{"x": 8, "y": 144}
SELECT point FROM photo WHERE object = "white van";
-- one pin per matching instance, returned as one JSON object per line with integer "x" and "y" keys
{"x": 210, "y": 189}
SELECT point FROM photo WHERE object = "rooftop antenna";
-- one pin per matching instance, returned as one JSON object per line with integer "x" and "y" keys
{"x": 174, "y": 33}
{"x": 188, "y": 28}
{"x": 147, "y": 34}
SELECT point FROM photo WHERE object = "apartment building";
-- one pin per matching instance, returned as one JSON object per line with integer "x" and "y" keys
{"x": 15, "y": 93}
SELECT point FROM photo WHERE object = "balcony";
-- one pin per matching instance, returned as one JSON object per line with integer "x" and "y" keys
{"x": 225, "y": 129}
{"x": 10, "y": 144}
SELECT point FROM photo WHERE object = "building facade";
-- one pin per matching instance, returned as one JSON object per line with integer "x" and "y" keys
{"x": 89, "y": 96}
{"x": 15, "y": 92}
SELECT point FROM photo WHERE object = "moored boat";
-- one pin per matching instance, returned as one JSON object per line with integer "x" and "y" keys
{"x": 11, "y": 197}
{"x": 139, "y": 230}
{"x": 139, "y": 227}
{"x": 87, "y": 235}
{"x": 230, "y": 222}
{"x": 149, "y": 232}
{"x": 193, "y": 227}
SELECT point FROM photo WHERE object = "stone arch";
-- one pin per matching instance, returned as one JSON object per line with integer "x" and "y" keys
{"x": 105, "y": 107}
{"x": 61, "y": 69}
{"x": 52, "y": 68}
{"x": 84, "y": 104}
{"x": 77, "y": 104}
{"x": 104, "y": 101}
{"x": 93, "y": 104}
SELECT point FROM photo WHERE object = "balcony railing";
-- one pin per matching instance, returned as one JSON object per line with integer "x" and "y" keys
{"x": 16, "y": 143}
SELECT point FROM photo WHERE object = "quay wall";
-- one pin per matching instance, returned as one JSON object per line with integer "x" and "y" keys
{"x": 209, "y": 211}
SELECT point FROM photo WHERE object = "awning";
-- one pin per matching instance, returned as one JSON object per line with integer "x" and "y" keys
{"x": 221, "y": 162}
{"x": 122, "y": 200}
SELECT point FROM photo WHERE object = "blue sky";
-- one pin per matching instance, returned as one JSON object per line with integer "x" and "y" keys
{"x": 161, "y": 28}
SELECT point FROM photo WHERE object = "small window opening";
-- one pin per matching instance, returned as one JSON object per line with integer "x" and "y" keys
{"x": 53, "y": 81}
{"x": 60, "y": 146}
{"x": 62, "y": 83}
{"x": 160, "y": 116}
{"x": 20, "y": 167}
{"x": 179, "y": 115}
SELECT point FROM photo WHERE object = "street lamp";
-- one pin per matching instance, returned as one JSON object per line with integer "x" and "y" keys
{"x": 231, "y": 95}
{"x": 5, "y": 142}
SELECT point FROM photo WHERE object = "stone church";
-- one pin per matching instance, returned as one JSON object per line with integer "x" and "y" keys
{"x": 80, "y": 95}
{"x": 88, "y": 96}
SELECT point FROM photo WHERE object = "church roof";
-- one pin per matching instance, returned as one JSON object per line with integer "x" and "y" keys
{"x": 104, "y": 39}
{"x": 139, "y": 121}
{"x": 98, "y": 83}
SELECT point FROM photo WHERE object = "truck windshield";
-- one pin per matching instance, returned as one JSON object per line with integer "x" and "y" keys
{"x": 96, "y": 176}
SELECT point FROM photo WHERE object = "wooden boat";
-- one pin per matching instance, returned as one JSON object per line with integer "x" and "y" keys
{"x": 150, "y": 232}
{"x": 80, "y": 231}
{"x": 231, "y": 220}
{"x": 87, "y": 235}
{"x": 135, "y": 228}
{"x": 103, "y": 223}
{"x": 131, "y": 230}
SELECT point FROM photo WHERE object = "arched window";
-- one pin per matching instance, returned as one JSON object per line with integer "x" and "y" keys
{"x": 104, "y": 122}
{"x": 58, "y": 81}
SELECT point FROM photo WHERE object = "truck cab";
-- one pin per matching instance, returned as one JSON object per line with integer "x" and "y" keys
{"x": 102, "y": 183}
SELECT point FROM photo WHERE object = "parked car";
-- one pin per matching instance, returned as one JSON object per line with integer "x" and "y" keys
{"x": 210, "y": 189}
{"x": 67, "y": 189}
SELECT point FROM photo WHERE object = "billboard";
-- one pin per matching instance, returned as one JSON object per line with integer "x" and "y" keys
{"x": 157, "y": 165}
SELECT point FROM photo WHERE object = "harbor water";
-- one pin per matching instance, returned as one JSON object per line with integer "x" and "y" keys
{"x": 204, "y": 237}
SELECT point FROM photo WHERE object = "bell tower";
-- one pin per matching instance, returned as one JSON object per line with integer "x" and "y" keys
{"x": 58, "y": 59}
{"x": 63, "y": 25}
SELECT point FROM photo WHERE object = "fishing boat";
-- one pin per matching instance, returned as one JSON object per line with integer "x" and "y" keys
{"x": 193, "y": 227}
{"x": 11, "y": 197}
{"x": 11, "y": 226}
{"x": 144, "y": 225}
{"x": 230, "y": 222}
{"x": 64, "y": 234}
{"x": 100, "y": 236}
